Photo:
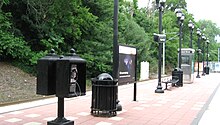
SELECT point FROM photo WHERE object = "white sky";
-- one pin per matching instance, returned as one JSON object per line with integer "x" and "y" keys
{"x": 143, "y": 3}
{"x": 205, "y": 9}
{"x": 201, "y": 9}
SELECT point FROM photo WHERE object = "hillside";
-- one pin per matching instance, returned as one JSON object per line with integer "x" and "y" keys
{"x": 15, "y": 85}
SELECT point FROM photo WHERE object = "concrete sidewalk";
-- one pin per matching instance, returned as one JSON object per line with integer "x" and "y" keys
{"x": 191, "y": 104}
{"x": 211, "y": 112}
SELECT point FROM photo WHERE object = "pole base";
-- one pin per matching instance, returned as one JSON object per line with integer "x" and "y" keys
{"x": 206, "y": 70}
{"x": 118, "y": 106}
{"x": 159, "y": 89}
{"x": 198, "y": 76}
{"x": 60, "y": 121}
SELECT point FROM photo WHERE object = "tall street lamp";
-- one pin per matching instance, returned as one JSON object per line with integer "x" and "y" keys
{"x": 198, "y": 32}
{"x": 207, "y": 57}
{"x": 191, "y": 27}
{"x": 203, "y": 54}
{"x": 160, "y": 6}
{"x": 178, "y": 72}
{"x": 180, "y": 17}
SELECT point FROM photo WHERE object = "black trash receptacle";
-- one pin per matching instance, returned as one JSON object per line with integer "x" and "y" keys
{"x": 104, "y": 95}
{"x": 206, "y": 70}
{"x": 178, "y": 73}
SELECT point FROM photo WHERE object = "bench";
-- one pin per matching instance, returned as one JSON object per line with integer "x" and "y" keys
{"x": 173, "y": 82}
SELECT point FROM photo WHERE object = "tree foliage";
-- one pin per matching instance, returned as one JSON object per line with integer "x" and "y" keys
{"x": 211, "y": 30}
{"x": 30, "y": 28}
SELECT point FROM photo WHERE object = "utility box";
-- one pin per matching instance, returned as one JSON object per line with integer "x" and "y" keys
{"x": 71, "y": 76}
{"x": 187, "y": 65}
{"x": 46, "y": 74}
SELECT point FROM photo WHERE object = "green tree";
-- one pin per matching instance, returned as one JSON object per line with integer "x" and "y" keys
{"x": 10, "y": 45}
{"x": 210, "y": 30}
{"x": 173, "y": 4}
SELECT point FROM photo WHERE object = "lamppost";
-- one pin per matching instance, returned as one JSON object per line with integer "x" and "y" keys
{"x": 198, "y": 32}
{"x": 203, "y": 54}
{"x": 115, "y": 71}
{"x": 180, "y": 16}
{"x": 178, "y": 72}
{"x": 160, "y": 6}
{"x": 191, "y": 27}
{"x": 207, "y": 57}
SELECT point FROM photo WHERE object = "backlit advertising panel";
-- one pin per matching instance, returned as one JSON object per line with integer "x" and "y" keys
{"x": 127, "y": 64}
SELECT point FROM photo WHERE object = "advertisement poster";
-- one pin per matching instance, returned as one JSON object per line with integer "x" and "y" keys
{"x": 127, "y": 64}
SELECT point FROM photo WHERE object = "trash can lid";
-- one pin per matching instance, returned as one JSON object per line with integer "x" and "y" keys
{"x": 104, "y": 76}
{"x": 177, "y": 69}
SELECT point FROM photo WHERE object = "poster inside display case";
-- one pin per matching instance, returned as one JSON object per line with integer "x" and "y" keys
{"x": 127, "y": 64}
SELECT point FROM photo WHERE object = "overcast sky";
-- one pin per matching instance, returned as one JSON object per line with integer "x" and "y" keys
{"x": 205, "y": 9}
{"x": 201, "y": 9}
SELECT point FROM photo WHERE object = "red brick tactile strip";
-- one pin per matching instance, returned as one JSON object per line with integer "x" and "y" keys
{"x": 177, "y": 106}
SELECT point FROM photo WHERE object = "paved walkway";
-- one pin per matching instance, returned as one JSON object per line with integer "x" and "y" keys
{"x": 191, "y": 104}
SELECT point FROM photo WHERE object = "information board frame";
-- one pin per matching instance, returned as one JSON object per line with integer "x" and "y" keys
{"x": 127, "y": 64}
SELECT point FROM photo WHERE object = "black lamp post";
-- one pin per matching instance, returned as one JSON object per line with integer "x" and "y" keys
{"x": 115, "y": 42}
{"x": 180, "y": 16}
{"x": 203, "y": 54}
{"x": 160, "y": 6}
{"x": 116, "y": 50}
{"x": 207, "y": 57}
{"x": 198, "y": 32}
{"x": 191, "y": 27}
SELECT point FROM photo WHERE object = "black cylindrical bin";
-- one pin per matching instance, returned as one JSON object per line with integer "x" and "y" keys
{"x": 178, "y": 73}
{"x": 206, "y": 70}
{"x": 104, "y": 90}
